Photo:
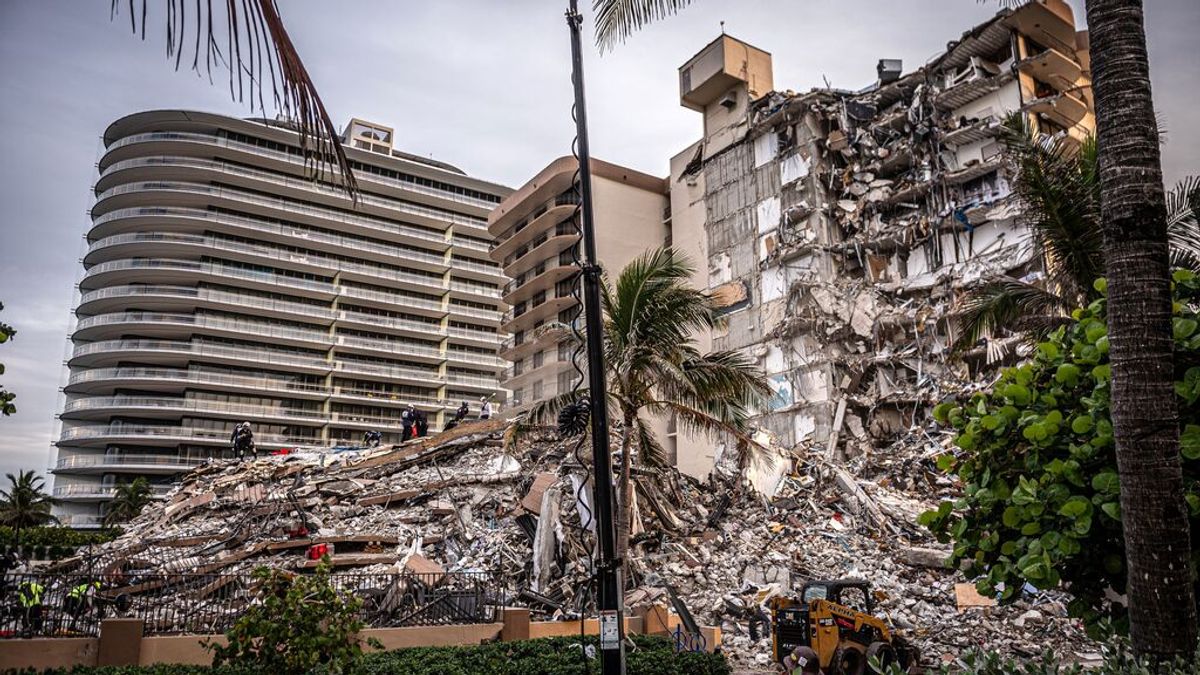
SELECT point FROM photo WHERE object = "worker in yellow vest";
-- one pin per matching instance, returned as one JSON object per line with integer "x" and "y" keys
{"x": 79, "y": 600}
{"x": 29, "y": 594}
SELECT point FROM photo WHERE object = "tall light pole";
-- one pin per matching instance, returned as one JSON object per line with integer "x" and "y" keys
{"x": 608, "y": 571}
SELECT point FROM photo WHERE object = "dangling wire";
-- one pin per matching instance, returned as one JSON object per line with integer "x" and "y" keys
{"x": 573, "y": 418}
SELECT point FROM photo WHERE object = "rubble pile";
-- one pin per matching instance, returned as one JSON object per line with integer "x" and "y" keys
{"x": 481, "y": 499}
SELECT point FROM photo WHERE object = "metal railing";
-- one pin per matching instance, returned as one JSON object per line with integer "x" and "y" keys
{"x": 211, "y": 269}
{"x": 272, "y": 356}
{"x": 208, "y": 604}
{"x": 293, "y": 159}
{"x": 88, "y": 461}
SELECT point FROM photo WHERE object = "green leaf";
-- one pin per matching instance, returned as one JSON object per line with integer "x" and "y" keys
{"x": 1011, "y": 517}
{"x": 945, "y": 462}
{"x": 1112, "y": 510}
{"x": 1075, "y": 507}
{"x": 1189, "y": 441}
{"x": 941, "y": 413}
{"x": 1048, "y": 350}
{"x": 1068, "y": 374}
{"x": 1101, "y": 285}
{"x": 1183, "y": 328}
{"x": 1030, "y": 529}
{"x": 1082, "y": 424}
{"x": 1107, "y": 482}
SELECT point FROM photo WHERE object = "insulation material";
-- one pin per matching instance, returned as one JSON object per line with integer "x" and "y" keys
{"x": 765, "y": 148}
{"x": 793, "y": 168}
{"x": 768, "y": 212}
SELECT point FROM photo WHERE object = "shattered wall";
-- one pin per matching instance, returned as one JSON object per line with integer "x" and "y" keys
{"x": 842, "y": 228}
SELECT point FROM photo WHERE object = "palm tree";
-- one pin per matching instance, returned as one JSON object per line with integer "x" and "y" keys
{"x": 1058, "y": 185}
{"x": 655, "y": 369}
{"x": 249, "y": 40}
{"x": 128, "y": 502}
{"x": 25, "y": 504}
{"x": 1133, "y": 213}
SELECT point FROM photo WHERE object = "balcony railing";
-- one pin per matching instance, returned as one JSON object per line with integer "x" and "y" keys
{"x": 89, "y": 461}
{"x": 277, "y": 254}
{"x": 267, "y": 356}
{"x": 389, "y": 346}
{"x": 213, "y": 269}
{"x": 194, "y": 377}
{"x": 292, "y": 159}
{"x": 104, "y": 491}
{"x": 489, "y": 314}
{"x": 390, "y": 322}
{"x": 298, "y": 184}
{"x": 202, "y": 321}
{"x": 300, "y": 231}
{"x": 180, "y": 434}
{"x": 200, "y": 406}
{"x": 391, "y": 298}
{"x": 209, "y": 295}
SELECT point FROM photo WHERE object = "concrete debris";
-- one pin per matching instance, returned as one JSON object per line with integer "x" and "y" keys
{"x": 723, "y": 547}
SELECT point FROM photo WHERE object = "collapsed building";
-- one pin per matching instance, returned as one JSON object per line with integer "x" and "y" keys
{"x": 839, "y": 230}
{"x": 436, "y": 529}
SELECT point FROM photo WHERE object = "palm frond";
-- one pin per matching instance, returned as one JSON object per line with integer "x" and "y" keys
{"x": 258, "y": 52}
{"x": 616, "y": 20}
{"x": 1183, "y": 223}
{"x": 1057, "y": 182}
{"x": 652, "y": 453}
{"x": 1004, "y": 302}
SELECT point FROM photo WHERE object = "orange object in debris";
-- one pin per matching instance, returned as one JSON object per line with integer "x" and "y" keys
{"x": 318, "y": 551}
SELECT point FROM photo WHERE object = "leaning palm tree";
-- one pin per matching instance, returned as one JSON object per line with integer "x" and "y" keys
{"x": 247, "y": 38}
{"x": 128, "y": 501}
{"x": 655, "y": 369}
{"x": 25, "y": 503}
{"x": 1057, "y": 183}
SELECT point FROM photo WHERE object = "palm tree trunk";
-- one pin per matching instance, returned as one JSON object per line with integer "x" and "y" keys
{"x": 625, "y": 493}
{"x": 1162, "y": 606}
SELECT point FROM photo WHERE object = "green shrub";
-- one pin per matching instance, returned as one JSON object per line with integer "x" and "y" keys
{"x": 56, "y": 536}
{"x": 1038, "y": 467}
{"x": 301, "y": 624}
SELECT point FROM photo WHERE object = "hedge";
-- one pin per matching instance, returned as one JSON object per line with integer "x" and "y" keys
{"x": 549, "y": 656}
{"x": 63, "y": 537}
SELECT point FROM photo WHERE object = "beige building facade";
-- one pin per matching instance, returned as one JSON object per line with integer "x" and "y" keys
{"x": 536, "y": 235}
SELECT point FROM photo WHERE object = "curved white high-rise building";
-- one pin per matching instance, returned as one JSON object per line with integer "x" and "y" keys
{"x": 222, "y": 285}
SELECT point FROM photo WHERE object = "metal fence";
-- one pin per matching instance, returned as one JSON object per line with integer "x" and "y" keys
{"x": 211, "y": 603}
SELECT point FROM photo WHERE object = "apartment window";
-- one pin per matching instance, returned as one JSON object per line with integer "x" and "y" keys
{"x": 538, "y": 359}
{"x": 538, "y": 299}
{"x": 564, "y": 351}
{"x": 537, "y": 390}
{"x": 566, "y": 381}
{"x": 568, "y": 315}
{"x": 516, "y": 393}
{"x": 518, "y": 367}
{"x": 519, "y": 337}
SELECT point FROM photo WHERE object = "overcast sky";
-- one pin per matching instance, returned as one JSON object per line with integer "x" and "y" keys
{"x": 482, "y": 84}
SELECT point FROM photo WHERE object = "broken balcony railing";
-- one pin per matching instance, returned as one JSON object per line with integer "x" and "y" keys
{"x": 211, "y": 603}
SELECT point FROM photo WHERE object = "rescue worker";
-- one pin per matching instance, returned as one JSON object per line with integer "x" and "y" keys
{"x": 485, "y": 411}
{"x": 243, "y": 441}
{"x": 421, "y": 421}
{"x": 459, "y": 416}
{"x": 29, "y": 594}
{"x": 79, "y": 600}
{"x": 372, "y": 439}
{"x": 408, "y": 417}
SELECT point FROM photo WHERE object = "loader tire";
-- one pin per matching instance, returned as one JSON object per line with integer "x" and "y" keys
{"x": 847, "y": 661}
{"x": 882, "y": 651}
